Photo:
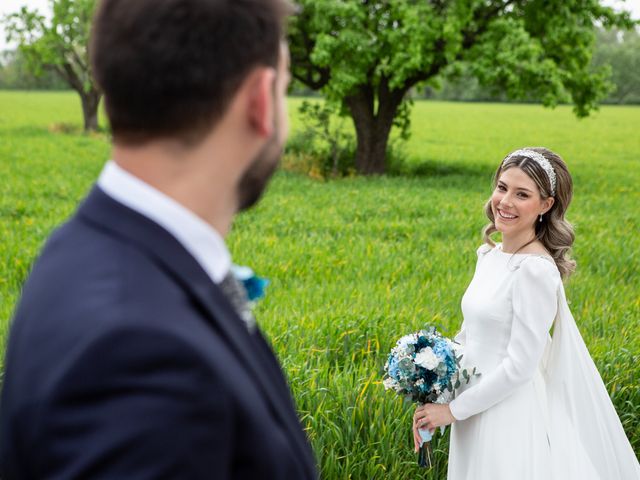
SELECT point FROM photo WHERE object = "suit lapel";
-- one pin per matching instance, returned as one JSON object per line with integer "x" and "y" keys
{"x": 103, "y": 212}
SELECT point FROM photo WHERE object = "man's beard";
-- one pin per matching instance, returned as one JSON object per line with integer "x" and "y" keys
{"x": 255, "y": 178}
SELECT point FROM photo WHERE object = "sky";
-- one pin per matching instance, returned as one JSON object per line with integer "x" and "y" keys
{"x": 10, "y": 6}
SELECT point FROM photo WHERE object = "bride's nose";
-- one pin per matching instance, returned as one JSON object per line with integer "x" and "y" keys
{"x": 505, "y": 201}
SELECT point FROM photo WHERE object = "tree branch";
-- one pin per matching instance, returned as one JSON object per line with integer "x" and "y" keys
{"x": 70, "y": 76}
{"x": 434, "y": 69}
{"x": 483, "y": 17}
{"x": 301, "y": 62}
{"x": 79, "y": 60}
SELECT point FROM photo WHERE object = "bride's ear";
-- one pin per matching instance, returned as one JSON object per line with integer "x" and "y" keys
{"x": 547, "y": 203}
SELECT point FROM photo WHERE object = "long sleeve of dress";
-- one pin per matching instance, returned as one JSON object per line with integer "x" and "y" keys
{"x": 534, "y": 309}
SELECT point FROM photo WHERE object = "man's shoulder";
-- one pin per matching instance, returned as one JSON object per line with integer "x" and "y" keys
{"x": 86, "y": 279}
{"x": 78, "y": 252}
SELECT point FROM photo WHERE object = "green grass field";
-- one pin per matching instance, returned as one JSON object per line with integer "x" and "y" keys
{"x": 355, "y": 263}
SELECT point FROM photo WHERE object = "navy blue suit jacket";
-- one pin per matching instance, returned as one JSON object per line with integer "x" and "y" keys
{"x": 125, "y": 361}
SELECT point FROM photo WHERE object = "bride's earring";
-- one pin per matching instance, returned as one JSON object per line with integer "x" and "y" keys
{"x": 540, "y": 218}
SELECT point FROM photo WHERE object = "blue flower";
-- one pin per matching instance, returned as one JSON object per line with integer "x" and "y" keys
{"x": 393, "y": 367}
{"x": 442, "y": 350}
{"x": 254, "y": 285}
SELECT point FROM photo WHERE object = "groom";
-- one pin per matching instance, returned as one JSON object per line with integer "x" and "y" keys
{"x": 132, "y": 353}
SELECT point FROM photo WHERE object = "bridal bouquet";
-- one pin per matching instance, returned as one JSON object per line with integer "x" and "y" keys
{"x": 423, "y": 368}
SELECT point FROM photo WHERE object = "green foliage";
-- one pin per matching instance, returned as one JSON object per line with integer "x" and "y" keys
{"x": 356, "y": 262}
{"x": 368, "y": 55}
{"x": 615, "y": 50}
{"x": 324, "y": 147}
{"x": 367, "y": 43}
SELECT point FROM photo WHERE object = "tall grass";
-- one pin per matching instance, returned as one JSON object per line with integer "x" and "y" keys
{"x": 356, "y": 263}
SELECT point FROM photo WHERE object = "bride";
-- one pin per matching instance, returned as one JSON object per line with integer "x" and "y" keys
{"x": 540, "y": 409}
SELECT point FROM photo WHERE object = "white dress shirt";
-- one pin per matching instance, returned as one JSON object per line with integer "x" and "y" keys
{"x": 199, "y": 238}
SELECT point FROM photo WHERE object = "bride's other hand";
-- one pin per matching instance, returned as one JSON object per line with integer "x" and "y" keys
{"x": 430, "y": 416}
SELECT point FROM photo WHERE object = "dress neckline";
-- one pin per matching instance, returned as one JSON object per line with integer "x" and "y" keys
{"x": 498, "y": 248}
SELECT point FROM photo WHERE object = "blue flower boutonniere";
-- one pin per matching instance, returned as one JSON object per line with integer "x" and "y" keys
{"x": 255, "y": 286}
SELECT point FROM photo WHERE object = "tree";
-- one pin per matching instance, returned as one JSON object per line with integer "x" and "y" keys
{"x": 621, "y": 51}
{"x": 367, "y": 54}
{"x": 60, "y": 45}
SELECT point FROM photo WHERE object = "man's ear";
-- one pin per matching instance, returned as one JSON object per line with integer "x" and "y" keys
{"x": 261, "y": 104}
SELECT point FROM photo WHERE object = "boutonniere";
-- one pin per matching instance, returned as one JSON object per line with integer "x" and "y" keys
{"x": 254, "y": 285}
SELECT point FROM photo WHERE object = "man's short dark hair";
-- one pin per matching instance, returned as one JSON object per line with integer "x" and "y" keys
{"x": 168, "y": 68}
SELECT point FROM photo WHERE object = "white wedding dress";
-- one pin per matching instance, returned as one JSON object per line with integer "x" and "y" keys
{"x": 540, "y": 410}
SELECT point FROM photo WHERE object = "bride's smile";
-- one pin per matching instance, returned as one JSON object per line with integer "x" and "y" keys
{"x": 505, "y": 215}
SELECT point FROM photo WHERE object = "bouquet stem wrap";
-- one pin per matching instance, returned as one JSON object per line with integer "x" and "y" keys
{"x": 425, "y": 453}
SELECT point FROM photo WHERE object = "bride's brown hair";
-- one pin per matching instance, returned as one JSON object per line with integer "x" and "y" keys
{"x": 554, "y": 232}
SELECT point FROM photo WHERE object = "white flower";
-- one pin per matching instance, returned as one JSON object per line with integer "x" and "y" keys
{"x": 389, "y": 383}
{"x": 406, "y": 343}
{"x": 410, "y": 339}
{"x": 427, "y": 359}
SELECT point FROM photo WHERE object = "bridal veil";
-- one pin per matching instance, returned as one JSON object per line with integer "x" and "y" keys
{"x": 586, "y": 438}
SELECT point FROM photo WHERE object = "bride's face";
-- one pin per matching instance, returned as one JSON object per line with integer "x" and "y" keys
{"x": 516, "y": 202}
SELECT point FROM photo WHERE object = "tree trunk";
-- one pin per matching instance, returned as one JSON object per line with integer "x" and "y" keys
{"x": 90, "y": 102}
{"x": 373, "y": 128}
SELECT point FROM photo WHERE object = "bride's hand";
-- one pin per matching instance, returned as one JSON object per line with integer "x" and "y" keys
{"x": 430, "y": 416}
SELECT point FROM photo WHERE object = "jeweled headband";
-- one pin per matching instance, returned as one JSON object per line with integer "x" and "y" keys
{"x": 540, "y": 160}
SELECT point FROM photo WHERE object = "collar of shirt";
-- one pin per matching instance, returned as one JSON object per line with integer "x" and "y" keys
{"x": 199, "y": 238}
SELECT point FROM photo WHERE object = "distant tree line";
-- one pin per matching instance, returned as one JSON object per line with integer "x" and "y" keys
{"x": 619, "y": 49}
{"x": 15, "y": 74}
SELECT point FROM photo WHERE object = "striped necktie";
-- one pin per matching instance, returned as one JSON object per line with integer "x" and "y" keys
{"x": 237, "y": 295}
